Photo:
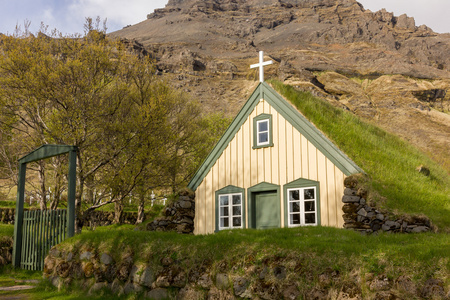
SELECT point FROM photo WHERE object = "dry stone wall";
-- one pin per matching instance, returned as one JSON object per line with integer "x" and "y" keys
{"x": 360, "y": 216}
{"x": 6, "y": 247}
{"x": 178, "y": 216}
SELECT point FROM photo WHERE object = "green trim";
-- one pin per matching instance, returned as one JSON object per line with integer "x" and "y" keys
{"x": 251, "y": 193}
{"x": 46, "y": 151}
{"x": 301, "y": 183}
{"x": 255, "y": 131}
{"x": 43, "y": 152}
{"x": 231, "y": 189}
{"x": 306, "y": 128}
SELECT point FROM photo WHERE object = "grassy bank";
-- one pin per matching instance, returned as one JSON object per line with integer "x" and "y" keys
{"x": 389, "y": 162}
{"x": 306, "y": 253}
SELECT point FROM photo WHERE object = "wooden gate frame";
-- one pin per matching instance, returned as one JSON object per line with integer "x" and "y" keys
{"x": 43, "y": 152}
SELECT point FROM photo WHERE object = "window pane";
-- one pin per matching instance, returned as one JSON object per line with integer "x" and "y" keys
{"x": 263, "y": 126}
{"x": 263, "y": 137}
{"x": 237, "y": 222}
{"x": 294, "y": 195}
{"x": 295, "y": 219}
{"x": 309, "y": 194}
{"x": 224, "y": 212}
{"x": 224, "y": 222}
{"x": 310, "y": 218}
{"x": 236, "y": 210}
{"x": 309, "y": 206}
{"x": 294, "y": 207}
{"x": 236, "y": 199}
{"x": 223, "y": 200}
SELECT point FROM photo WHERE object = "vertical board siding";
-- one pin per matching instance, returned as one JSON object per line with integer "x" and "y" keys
{"x": 292, "y": 157}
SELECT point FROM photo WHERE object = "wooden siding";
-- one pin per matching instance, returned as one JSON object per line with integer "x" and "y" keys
{"x": 292, "y": 157}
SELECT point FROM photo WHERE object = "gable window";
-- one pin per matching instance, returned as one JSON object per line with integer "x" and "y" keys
{"x": 262, "y": 131}
{"x": 230, "y": 211}
{"x": 302, "y": 206}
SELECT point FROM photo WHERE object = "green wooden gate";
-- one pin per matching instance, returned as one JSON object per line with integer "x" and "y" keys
{"x": 35, "y": 232}
{"x": 41, "y": 230}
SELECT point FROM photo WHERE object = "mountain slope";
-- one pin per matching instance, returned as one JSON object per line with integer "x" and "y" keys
{"x": 205, "y": 47}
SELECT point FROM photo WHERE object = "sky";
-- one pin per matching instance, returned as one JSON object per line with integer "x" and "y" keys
{"x": 68, "y": 16}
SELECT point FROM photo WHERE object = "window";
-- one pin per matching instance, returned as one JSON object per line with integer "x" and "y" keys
{"x": 262, "y": 131}
{"x": 302, "y": 206}
{"x": 230, "y": 211}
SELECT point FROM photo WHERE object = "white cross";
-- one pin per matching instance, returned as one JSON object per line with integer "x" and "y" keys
{"x": 261, "y": 65}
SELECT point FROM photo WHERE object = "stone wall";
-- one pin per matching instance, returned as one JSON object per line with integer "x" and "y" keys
{"x": 178, "y": 216}
{"x": 276, "y": 276}
{"x": 7, "y": 215}
{"x": 360, "y": 216}
{"x": 6, "y": 247}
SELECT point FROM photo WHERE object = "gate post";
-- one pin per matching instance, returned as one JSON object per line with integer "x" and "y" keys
{"x": 18, "y": 219}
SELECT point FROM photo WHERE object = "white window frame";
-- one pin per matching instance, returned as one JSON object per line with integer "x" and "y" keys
{"x": 302, "y": 206}
{"x": 258, "y": 143}
{"x": 229, "y": 207}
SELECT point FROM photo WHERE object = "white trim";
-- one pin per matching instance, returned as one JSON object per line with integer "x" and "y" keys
{"x": 258, "y": 143}
{"x": 228, "y": 209}
{"x": 301, "y": 206}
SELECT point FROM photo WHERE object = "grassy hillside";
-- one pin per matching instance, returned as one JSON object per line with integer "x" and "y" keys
{"x": 390, "y": 163}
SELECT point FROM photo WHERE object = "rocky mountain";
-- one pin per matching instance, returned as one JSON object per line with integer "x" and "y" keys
{"x": 377, "y": 65}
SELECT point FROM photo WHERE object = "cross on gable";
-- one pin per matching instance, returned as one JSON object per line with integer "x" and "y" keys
{"x": 261, "y": 65}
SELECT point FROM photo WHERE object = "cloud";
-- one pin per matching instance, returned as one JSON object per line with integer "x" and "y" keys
{"x": 119, "y": 13}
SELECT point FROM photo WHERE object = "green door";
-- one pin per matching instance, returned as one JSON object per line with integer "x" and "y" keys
{"x": 267, "y": 210}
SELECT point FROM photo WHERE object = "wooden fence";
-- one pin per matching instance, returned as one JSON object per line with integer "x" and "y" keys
{"x": 41, "y": 230}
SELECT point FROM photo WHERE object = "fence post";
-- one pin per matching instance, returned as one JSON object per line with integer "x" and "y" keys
{"x": 18, "y": 221}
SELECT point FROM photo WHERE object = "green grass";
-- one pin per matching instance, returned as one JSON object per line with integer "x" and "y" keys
{"x": 6, "y": 230}
{"x": 389, "y": 162}
{"x": 420, "y": 256}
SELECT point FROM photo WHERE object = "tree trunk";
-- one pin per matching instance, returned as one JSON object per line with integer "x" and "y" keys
{"x": 141, "y": 216}
{"x": 118, "y": 212}
{"x": 43, "y": 203}
{"x": 55, "y": 198}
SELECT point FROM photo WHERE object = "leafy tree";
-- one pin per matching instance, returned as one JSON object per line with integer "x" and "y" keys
{"x": 133, "y": 132}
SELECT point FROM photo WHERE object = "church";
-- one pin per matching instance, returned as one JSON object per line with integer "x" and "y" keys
{"x": 272, "y": 168}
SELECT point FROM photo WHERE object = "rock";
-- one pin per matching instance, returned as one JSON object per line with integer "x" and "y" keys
{"x": 339, "y": 84}
{"x": 147, "y": 277}
{"x": 185, "y": 204}
{"x": 222, "y": 281}
{"x": 350, "y": 192}
{"x": 189, "y": 293}
{"x": 62, "y": 269}
{"x": 350, "y": 199}
{"x": 106, "y": 259}
{"x": 362, "y": 212}
{"x": 205, "y": 281}
{"x": 162, "y": 281}
{"x": 86, "y": 255}
{"x": 405, "y": 285}
{"x": 433, "y": 289}
{"x": 381, "y": 283}
{"x": 419, "y": 229}
{"x": 240, "y": 284}
{"x": 158, "y": 294}
{"x": 97, "y": 287}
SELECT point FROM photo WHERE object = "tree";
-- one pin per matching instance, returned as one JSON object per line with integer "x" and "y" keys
{"x": 134, "y": 133}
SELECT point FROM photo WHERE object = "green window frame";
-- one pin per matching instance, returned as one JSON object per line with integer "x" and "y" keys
{"x": 230, "y": 208}
{"x": 301, "y": 203}
{"x": 262, "y": 131}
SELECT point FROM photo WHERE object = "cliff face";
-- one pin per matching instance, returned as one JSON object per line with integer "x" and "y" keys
{"x": 206, "y": 46}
